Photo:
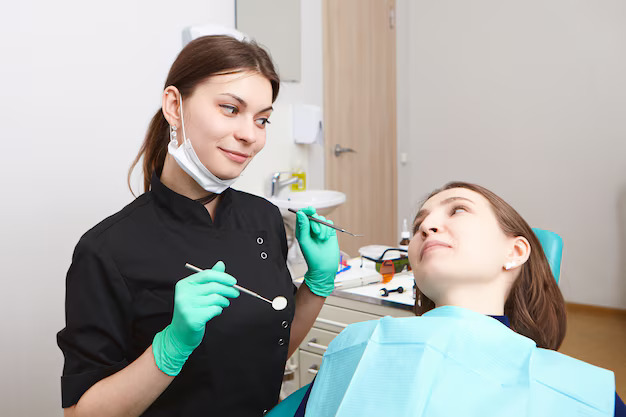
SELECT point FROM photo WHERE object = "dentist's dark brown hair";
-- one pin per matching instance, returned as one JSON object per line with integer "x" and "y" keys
{"x": 535, "y": 305}
{"x": 199, "y": 60}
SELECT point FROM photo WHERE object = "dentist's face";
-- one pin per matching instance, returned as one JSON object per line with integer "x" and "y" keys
{"x": 457, "y": 241}
{"x": 225, "y": 120}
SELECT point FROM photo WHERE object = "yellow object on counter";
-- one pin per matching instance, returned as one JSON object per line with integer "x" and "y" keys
{"x": 300, "y": 185}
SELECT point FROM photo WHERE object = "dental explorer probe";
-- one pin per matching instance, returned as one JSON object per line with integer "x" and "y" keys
{"x": 332, "y": 226}
{"x": 279, "y": 303}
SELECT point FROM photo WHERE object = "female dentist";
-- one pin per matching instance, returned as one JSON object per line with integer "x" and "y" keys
{"x": 142, "y": 335}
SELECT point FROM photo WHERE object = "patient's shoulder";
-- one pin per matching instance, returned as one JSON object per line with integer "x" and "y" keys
{"x": 564, "y": 375}
{"x": 353, "y": 334}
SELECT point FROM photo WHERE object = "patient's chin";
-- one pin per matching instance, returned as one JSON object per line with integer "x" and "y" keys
{"x": 435, "y": 278}
{"x": 434, "y": 267}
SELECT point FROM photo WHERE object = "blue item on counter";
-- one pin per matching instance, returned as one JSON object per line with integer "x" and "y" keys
{"x": 345, "y": 268}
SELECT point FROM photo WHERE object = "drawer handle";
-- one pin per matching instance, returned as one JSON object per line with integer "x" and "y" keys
{"x": 313, "y": 370}
{"x": 313, "y": 343}
{"x": 332, "y": 323}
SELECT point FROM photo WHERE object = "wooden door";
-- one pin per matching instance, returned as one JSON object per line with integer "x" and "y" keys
{"x": 360, "y": 114}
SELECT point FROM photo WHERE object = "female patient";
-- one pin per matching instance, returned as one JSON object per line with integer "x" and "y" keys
{"x": 474, "y": 260}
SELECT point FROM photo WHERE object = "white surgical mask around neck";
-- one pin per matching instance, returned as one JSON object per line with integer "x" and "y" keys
{"x": 188, "y": 160}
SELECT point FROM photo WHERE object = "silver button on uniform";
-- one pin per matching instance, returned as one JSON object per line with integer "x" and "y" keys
{"x": 259, "y": 240}
{"x": 263, "y": 255}
{"x": 285, "y": 324}
{"x": 281, "y": 342}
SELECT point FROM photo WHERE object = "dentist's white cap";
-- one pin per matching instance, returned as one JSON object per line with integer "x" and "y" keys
{"x": 192, "y": 32}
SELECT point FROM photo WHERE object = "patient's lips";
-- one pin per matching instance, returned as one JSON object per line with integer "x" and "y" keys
{"x": 431, "y": 245}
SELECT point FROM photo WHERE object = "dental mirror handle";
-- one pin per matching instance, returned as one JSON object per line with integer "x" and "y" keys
{"x": 240, "y": 288}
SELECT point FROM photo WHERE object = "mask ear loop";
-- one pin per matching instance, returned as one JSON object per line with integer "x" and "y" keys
{"x": 182, "y": 118}
{"x": 173, "y": 138}
{"x": 207, "y": 199}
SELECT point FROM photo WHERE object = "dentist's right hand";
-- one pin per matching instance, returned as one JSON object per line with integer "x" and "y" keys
{"x": 197, "y": 299}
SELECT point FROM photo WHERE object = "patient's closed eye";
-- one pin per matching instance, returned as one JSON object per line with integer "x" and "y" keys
{"x": 458, "y": 209}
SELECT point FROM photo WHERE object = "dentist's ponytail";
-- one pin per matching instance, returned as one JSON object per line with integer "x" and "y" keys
{"x": 200, "y": 59}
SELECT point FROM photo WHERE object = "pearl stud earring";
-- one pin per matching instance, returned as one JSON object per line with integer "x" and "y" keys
{"x": 509, "y": 265}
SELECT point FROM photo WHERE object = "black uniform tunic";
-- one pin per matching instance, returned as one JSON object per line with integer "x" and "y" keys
{"x": 120, "y": 293}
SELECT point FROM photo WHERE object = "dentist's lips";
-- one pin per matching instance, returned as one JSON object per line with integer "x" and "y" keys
{"x": 430, "y": 245}
{"x": 238, "y": 157}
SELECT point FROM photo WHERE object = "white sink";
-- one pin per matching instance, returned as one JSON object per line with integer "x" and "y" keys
{"x": 323, "y": 201}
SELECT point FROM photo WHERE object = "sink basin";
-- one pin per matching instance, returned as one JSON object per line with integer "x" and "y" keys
{"x": 323, "y": 201}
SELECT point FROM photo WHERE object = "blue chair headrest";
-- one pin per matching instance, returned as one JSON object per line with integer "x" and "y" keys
{"x": 552, "y": 245}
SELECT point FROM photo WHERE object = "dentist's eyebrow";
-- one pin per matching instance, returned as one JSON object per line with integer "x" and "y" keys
{"x": 423, "y": 212}
{"x": 243, "y": 103}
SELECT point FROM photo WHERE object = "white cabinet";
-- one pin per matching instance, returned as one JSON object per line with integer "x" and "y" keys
{"x": 336, "y": 314}
{"x": 309, "y": 364}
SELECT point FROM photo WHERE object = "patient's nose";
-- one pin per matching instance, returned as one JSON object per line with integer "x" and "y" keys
{"x": 428, "y": 231}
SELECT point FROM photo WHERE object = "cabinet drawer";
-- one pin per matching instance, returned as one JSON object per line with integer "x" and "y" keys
{"x": 317, "y": 341}
{"x": 309, "y": 365}
{"x": 336, "y": 319}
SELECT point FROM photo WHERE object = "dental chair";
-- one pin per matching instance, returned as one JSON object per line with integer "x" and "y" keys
{"x": 552, "y": 246}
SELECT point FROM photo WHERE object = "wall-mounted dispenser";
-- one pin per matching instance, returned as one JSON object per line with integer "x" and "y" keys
{"x": 307, "y": 124}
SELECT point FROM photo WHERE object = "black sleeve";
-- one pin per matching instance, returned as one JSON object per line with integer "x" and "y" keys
{"x": 97, "y": 315}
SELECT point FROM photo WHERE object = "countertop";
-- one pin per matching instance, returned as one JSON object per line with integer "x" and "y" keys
{"x": 368, "y": 286}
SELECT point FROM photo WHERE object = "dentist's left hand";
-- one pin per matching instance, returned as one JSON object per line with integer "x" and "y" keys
{"x": 321, "y": 251}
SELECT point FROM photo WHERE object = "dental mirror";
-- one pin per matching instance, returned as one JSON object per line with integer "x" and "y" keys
{"x": 279, "y": 303}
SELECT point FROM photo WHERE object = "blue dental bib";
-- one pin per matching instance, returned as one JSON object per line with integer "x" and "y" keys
{"x": 452, "y": 362}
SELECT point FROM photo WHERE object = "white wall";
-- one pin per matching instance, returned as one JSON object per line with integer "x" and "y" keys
{"x": 528, "y": 99}
{"x": 280, "y": 153}
{"x": 81, "y": 81}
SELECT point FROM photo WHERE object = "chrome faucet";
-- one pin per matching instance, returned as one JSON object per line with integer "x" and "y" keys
{"x": 277, "y": 185}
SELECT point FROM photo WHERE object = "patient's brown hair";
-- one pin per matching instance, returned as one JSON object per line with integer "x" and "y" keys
{"x": 535, "y": 305}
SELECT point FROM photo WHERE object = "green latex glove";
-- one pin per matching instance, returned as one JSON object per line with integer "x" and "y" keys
{"x": 197, "y": 299}
{"x": 321, "y": 251}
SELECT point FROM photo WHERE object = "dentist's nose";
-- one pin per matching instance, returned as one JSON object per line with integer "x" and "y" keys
{"x": 246, "y": 132}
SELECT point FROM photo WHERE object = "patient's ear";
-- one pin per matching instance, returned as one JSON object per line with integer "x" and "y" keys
{"x": 518, "y": 254}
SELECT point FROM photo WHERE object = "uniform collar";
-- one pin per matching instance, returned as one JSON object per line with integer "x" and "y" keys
{"x": 183, "y": 208}
{"x": 503, "y": 319}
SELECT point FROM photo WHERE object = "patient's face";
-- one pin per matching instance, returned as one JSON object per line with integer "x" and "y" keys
{"x": 457, "y": 241}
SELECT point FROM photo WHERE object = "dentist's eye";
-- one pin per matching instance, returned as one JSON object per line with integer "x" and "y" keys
{"x": 262, "y": 122}
{"x": 229, "y": 109}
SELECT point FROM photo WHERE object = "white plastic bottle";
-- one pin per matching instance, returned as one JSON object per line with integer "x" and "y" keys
{"x": 405, "y": 235}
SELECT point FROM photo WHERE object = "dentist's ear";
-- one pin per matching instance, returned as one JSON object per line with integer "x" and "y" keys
{"x": 518, "y": 254}
{"x": 170, "y": 106}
